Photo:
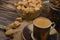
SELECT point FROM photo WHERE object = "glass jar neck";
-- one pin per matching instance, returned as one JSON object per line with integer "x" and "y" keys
{"x": 54, "y": 7}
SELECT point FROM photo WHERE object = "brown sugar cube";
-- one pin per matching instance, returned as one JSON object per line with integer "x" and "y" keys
{"x": 23, "y": 8}
{"x": 24, "y": 14}
{"x": 14, "y": 25}
{"x": 8, "y": 27}
{"x": 38, "y": 5}
{"x": 31, "y": 9}
{"x": 26, "y": 9}
{"x": 9, "y": 32}
{"x": 31, "y": 4}
{"x": 19, "y": 19}
{"x": 34, "y": 1}
{"x": 36, "y": 8}
{"x": 18, "y": 7}
{"x": 25, "y": 3}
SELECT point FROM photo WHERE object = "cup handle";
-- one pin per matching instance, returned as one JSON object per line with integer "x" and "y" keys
{"x": 52, "y": 26}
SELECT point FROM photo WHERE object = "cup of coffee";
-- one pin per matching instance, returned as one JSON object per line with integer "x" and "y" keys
{"x": 42, "y": 28}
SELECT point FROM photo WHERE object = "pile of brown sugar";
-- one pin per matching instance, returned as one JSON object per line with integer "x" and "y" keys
{"x": 29, "y": 5}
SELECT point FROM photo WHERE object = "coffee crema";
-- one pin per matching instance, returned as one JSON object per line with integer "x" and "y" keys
{"x": 42, "y": 22}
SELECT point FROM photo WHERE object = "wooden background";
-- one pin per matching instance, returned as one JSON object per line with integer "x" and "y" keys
{"x": 8, "y": 12}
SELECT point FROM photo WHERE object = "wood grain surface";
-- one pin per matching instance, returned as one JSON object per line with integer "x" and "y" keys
{"x": 18, "y": 35}
{"x": 8, "y": 12}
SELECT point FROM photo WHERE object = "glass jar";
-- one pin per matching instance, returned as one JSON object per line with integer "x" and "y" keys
{"x": 55, "y": 13}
